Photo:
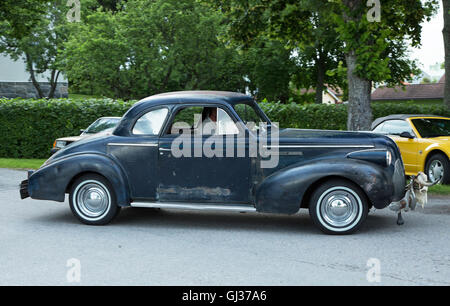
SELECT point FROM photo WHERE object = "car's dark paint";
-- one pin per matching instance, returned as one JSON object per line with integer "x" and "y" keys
{"x": 141, "y": 172}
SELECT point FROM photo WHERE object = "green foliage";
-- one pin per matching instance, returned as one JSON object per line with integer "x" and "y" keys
{"x": 29, "y": 127}
{"x": 21, "y": 15}
{"x": 148, "y": 47}
{"x": 334, "y": 117}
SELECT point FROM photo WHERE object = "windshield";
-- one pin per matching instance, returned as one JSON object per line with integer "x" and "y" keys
{"x": 251, "y": 115}
{"x": 101, "y": 125}
{"x": 428, "y": 128}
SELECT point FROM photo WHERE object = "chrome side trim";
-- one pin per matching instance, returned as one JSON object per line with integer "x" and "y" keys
{"x": 196, "y": 206}
{"x": 317, "y": 146}
{"x": 133, "y": 144}
{"x": 164, "y": 149}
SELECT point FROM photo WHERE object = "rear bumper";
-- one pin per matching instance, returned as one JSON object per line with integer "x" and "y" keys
{"x": 24, "y": 190}
{"x": 24, "y": 187}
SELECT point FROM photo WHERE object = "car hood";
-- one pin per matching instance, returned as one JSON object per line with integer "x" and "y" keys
{"x": 328, "y": 137}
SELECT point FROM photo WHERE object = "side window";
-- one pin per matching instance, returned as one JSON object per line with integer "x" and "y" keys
{"x": 396, "y": 127}
{"x": 202, "y": 120}
{"x": 226, "y": 125}
{"x": 379, "y": 128}
{"x": 151, "y": 122}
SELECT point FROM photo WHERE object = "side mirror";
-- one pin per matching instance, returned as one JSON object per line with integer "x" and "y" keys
{"x": 407, "y": 135}
{"x": 82, "y": 131}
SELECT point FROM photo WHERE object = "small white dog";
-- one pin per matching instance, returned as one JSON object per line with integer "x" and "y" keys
{"x": 416, "y": 192}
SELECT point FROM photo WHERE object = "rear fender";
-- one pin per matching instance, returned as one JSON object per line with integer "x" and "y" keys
{"x": 51, "y": 182}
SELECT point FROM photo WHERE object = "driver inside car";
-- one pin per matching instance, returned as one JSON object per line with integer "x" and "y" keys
{"x": 209, "y": 120}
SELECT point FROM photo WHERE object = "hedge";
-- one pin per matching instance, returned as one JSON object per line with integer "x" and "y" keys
{"x": 29, "y": 127}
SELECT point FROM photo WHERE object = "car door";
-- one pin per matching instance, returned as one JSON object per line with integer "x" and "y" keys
{"x": 408, "y": 147}
{"x": 138, "y": 153}
{"x": 200, "y": 176}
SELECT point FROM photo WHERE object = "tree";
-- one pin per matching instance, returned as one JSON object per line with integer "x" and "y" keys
{"x": 446, "y": 34}
{"x": 373, "y": 51}
{"x": 148, "y": 47}
{"x": 268, "y": 68}
{"x": 375, "y": 47}
{"x": 39, "y": 45}
{"x": 21, "y": 15}
{"x": 300, "y": 26}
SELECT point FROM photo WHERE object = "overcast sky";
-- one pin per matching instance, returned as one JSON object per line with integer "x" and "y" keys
{"x": 432, "y": 50}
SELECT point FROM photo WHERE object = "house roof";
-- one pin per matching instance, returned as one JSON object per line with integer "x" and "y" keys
{"x": 410, "y": 92}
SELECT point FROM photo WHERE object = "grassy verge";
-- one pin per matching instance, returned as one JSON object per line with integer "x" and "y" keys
{"x": 16, "y": 163}
{"x": 440, "y": 189}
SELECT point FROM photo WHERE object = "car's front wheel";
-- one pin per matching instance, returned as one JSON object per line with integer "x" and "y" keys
{"x": 437, "y": 169}
{"x": 338, "y": 207}
{"x": 92, "y": 200}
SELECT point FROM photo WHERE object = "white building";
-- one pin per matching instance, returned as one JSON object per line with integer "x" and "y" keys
{"x": 15, "y": 81}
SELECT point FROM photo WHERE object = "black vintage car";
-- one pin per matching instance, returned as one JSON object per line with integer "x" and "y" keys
{"x": 337, "y": 175}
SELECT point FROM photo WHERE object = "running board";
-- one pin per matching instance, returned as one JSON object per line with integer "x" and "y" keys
{"x": 196, "y": 206}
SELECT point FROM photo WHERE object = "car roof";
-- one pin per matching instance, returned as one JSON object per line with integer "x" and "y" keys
{"x": 380, "y": 120}
{"x": 223, "y": 98}
{"x": 196, "y": 96}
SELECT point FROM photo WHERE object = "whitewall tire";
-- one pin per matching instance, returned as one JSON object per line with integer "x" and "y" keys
{"x": 92, "y": 200}
{"x": 338, "y": 207}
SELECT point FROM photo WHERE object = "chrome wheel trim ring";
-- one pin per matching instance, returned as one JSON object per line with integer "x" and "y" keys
{"x": 435, "y": 171}
{"x": 92, "y": 200}
{"x": 339, "y": 209}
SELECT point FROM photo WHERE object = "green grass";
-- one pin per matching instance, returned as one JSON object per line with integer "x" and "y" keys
{"x": 16, "y": 163}
{"x": 440, "y": 189}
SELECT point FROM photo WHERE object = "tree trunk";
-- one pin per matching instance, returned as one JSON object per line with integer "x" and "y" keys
{"x": 319, "y": 82}
{"x": 359, "y": 90}
{"x": 53, "y": 83}
{"x": 30, "y": 69}
{"x": 446, "y": 34}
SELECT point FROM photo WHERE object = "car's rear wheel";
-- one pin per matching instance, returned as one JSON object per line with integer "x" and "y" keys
{"x": 338, "y": 207}
{"x": 437, "y": 169}
{"x": 92, "y": 200}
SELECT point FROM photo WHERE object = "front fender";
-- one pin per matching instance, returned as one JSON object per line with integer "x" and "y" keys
{"x": 283, "y": 191}
{"x": 51, "y": 182}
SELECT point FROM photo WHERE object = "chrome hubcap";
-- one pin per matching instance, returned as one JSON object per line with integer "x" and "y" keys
{"x": 339, "y": 208}
{"x": 92, "y": 199}
{"x": 436, "y": 171}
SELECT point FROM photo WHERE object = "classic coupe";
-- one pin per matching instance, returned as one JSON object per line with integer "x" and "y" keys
{"x": 424, "y": 142}
{"x": 337, "y": 175}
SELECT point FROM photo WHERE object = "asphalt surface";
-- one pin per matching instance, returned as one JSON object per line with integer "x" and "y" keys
{"x": 147, "y": 247}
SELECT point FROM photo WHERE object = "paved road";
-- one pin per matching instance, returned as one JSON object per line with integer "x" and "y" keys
{"x": 145, "y": 247}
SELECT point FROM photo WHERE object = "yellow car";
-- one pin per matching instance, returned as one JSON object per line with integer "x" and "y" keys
{"x": 424, "y": 142}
